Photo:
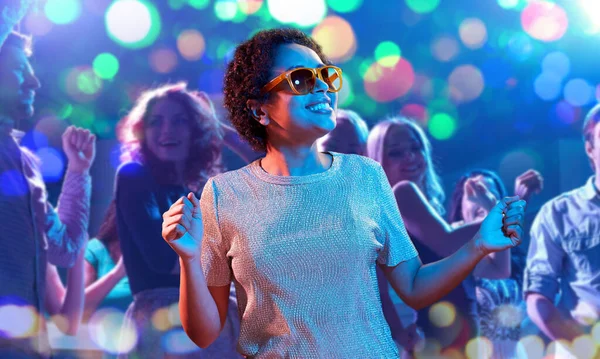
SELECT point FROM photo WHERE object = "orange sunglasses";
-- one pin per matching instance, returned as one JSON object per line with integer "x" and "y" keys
{"x": 302, "y": 80}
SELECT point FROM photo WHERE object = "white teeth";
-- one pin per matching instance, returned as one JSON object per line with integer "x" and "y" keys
{"x": 319, "y": 106}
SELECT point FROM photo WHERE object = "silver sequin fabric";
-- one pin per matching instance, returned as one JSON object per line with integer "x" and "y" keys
{"x": 302, "y": 252}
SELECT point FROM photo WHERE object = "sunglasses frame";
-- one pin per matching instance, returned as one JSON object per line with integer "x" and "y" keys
{"x": 316, "y": 73}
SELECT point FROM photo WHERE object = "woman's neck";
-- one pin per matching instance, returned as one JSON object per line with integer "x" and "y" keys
{"x": 295, "y": 161}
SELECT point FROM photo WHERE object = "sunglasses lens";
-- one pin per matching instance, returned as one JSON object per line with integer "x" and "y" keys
{"x": 332, "y": 77}
{"x": 303, "y": 80}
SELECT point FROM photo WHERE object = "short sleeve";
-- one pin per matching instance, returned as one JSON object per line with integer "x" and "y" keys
{"x": 397, "y": 245}
{"x": 93, "y": 252}
{"x": 215, "y": 263}
{"x": 544, "y": 258}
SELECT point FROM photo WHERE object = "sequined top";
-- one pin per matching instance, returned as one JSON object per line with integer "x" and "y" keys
{"x": 302, "y": 252}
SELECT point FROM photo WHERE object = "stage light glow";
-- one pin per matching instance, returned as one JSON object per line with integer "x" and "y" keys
{"x": 479, "y": 348}
{"x": 557, "y": 63}
{"x": 163, "y": 60}
{"x": 547, "y": 86}
{"x": 544, "y": 20}
{"x": 62, "y": 12}
{"x": 226, "y": 10}
{"x": 344, "y": 6}
{"x": 385, "y": 84}
{"x": 422, "y": 6}
{"x": 415, "y": 111}
{"x": 106, "y": 65}
{"x": 442, "y": 314}
{"x": 304, "y": 13}
{"x": 466, "y": 83}
{"x": 37, "y": 24}
{"x": 191, "y": 45}
{"x": 133, "y": 23}
{"x": 199, "y": 4}
{"x": 250, "y": 7}
{"x": 578, "y": 92}
{"x": 445, "y": 48}
{"x": 530, "y": 347}
{"x": 52, "y": 164}
{"x": 473, "y": 33}
{"x": 387, "y": 53}
{"x": 336, "y": 37}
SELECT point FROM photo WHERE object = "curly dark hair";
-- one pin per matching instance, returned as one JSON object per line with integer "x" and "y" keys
{"x": 250, "y": 70}
{"x": 204, "y": 160}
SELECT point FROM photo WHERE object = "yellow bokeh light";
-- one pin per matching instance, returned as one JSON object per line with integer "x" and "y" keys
{"x": 336, "y": 37}
{"x": 479, "y": 348}
{"x": 442, "y": 314}
{"x": 191, "y": 45}
{"x": 249, "y": 7}
{"x": 584, "y": 347}
{"x": 160, "y": 319}
{"x": 18, "y": 321}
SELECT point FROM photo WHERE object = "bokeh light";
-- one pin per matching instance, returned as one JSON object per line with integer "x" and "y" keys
{"x": 163, "y": 60}
{"x": 441, "y": 127}
{"x": 198, "y": 4}
{"x": 160, "y": 319}
{"x": 346, "y": 94}
{"x": 387, "y": 53}
{"x": 516, "y": 162}
{"x": 62, "y": 11}
{"x": 304, "y": 13}
{"x": 557, "y": 63}
{"x": 106, "y": 65}
{"x": 530, "y": 347}
{"x": 225, "y": 10}
{"x": 519, "y": 46}
{"x": 547, "y": 86}
{"x": 82, "y": 116}
{"x": 82, "y": 84}
{"x": 444, "y": 48}
{"x": 102, "y": 327}
{"x": 385, "y": 84}
{"x": 466, "y": 83}
{"x": 422, "y": 6}
{"x": 479, "y": 348}
{"x": 250, "y": 7}
{"x": 37, "y": 24}
{"x": 565, "y": 113}
{"x": 578, "y": 92}
{"x": 177, "y": 342}
{"x": 344, "y": 5}
{"x": 544, "y": 20}
{"x": 560, "y": 349}
{"x": 52, "y": 164}
{"x": 18, "y": 321}
{"x": 191, "y": 45}
{"x": 591, "y": 9}
{"x": 442, "y": 314}
{"x": 473, "y": 33}
{"x": 415, "y": 111}
{"x": 508, "y": 4}
{"x": 133, "y": 23}
{"x": 584, "y": 347}
{"x": 336, "y": 37}
{"x": 508, "y": 315}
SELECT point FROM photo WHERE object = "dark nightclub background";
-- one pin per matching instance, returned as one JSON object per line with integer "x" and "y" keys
{"x": 499, "y": 84}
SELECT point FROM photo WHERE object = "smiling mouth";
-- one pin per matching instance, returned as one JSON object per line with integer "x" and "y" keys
{"x": 411, "y": 169}
{"x": 320, "y": 108}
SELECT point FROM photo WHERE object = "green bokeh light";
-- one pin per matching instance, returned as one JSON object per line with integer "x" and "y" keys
{"x": 88, "y": 82}
{"x": 106, "y": 66}
{"x": 508, "y": 4}
{"x": 226, "y": 10}
{"x": 442, "y": 126}
{"x": 344, "y": 5}
{"x": 177, "y": 4}
{"x": 387, "y": 54}
{"x": 65, "y": 111}
{"x": 199, "y": 4}
{"x": 422, "y": 6}
{"x": 62, "y": 11}
{"x": 82, "y": 116}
